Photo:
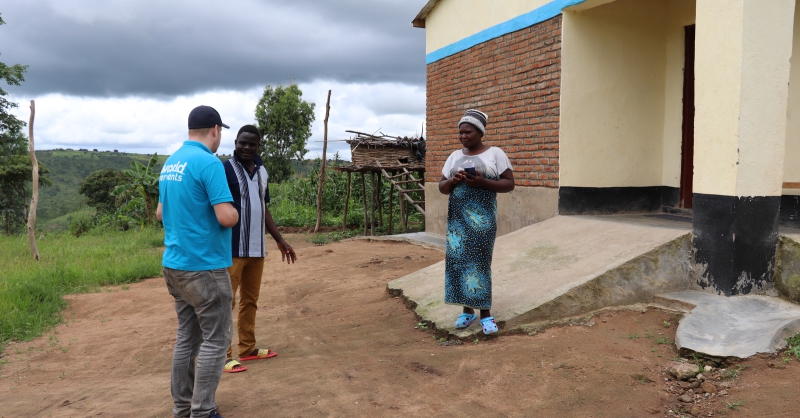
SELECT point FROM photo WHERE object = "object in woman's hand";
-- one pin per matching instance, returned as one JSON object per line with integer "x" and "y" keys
{"x": 469, "y": 167}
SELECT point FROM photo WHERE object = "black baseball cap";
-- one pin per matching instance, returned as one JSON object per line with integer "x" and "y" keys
{"x": 205, "y": 117}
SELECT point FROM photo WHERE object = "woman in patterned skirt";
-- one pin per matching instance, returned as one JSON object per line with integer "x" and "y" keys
{"x": 473, "y": 176}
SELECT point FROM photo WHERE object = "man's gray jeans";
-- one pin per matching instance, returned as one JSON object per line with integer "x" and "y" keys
{"x": 203, "y": 305}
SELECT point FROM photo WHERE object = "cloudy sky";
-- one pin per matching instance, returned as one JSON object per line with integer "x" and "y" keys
{"x": 124, "y": 74}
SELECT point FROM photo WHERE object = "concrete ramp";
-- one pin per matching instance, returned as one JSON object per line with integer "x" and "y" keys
{"x": 563, "y": 267}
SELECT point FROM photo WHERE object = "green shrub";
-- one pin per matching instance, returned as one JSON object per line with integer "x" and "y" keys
{"x": 80, "y": 223}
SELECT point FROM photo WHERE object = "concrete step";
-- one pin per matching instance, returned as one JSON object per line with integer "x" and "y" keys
{"x": 564, "y": 267}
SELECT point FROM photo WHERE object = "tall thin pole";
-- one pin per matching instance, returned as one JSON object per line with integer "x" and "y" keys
{"x": 379, "y": 199}
{"x": 364, "y": 199}
{"x": 402, "y": 211}
{"x": 346, "y": 202}
{"x": 35, "y": 198}
{"x": 324, "y": 160}
{"x": 372, "y": 204}
{"x": 391, "y": 209}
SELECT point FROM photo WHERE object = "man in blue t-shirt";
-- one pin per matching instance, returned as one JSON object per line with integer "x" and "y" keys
{"x": 194, "y": 203}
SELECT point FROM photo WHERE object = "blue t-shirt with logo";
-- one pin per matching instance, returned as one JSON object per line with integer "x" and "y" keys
{"x": 192, "y": 181}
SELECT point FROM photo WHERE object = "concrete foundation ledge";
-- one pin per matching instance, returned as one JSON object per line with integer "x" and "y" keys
{"x": 633, "y": 284}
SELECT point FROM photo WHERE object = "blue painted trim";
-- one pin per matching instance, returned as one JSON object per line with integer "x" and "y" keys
{"x": 548, "y": 11}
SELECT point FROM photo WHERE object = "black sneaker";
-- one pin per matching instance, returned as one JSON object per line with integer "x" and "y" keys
{"x": 214, "y": 414}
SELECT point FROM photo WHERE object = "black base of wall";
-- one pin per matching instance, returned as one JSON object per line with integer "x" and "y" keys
{"x": 612, "y": 200}
{"x": 735, "y": 239}
{"x": 790, "y": 211}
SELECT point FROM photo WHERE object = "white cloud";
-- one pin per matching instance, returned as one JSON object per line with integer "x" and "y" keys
{"x": 146, "y": 125}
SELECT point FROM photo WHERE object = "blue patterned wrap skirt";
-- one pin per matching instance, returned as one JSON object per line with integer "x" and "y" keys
{"x": 471, "y": 229}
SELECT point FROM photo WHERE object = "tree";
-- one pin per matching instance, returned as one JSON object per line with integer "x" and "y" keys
{"x": 15, "y": 179}
{"x": 15, "y": 164}
{"x": 13, "y": 75}
{"x": 284, "y": 120}
{"x": 137, "y": 197}
{"x": 97, "y": 188}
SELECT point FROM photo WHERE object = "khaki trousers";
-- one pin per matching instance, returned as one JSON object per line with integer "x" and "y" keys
{"x": 246, "y": 278}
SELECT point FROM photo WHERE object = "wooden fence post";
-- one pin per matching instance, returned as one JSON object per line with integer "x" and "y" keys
{"x": 346, "y": 202}
{"x": 364, "y": 199}
{"x": 391, "y": 209}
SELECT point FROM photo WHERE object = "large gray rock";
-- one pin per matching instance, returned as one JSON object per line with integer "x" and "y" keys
{"x": 738, "y": 326}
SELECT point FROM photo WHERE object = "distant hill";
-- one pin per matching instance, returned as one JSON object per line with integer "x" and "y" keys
{"x": 69, "y": 167}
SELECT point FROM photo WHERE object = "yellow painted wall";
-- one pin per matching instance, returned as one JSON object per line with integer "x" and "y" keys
{"x": 791, "y": 170}
{"x": 453, "y": 20}
{"x": 742, "y": 74}
{"x": 614, "y": 63}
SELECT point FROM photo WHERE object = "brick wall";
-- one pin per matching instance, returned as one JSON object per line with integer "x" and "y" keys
{"x": 516, "y": 80}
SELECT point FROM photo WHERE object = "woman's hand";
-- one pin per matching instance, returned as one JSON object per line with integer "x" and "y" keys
{"x": 447, "y": 185}
{"x": 477, "y": 181}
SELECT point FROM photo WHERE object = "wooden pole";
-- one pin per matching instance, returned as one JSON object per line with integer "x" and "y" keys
{"x": 364, "y": 199}
{"x": 402, "y": 211}
{"x": 379, "y": 199}
{"x": 391, "y": 209}
{"x": 35, "y": 198}
{"x": 372, "y": 204}
{"x": 324, "y": 160}
{"x": 346, "y": 202}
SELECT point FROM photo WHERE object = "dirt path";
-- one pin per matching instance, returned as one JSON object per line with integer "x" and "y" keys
{"x": 347, "y": 348}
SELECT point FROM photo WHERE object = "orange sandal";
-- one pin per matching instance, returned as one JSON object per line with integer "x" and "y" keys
{"x": 259, "y": 354}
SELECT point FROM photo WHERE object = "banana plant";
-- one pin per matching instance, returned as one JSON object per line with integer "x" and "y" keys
{"x": 138, "y": 197}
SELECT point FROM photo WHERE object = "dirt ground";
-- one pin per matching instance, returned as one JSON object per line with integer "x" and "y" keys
{"x": 348, "y": 348}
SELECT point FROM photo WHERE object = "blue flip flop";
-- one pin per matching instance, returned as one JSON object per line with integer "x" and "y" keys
{"x": 464, "y": 320}
{"x": 489, "y": 326}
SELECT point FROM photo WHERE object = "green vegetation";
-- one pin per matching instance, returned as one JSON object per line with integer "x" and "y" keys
{"x": 16, "y": 180}
{"x": 328, "y": 237}
{"x": 663, "y": 340}
{"x": 68, "y": 169}
{"x": 15, "y": 166}
{"x": 98, "y": 188}
{"x": 793, "y": 347}
{"x": 31, "y": 292}
{"x": 284, "y": 120}
{"x": 137, "y": 196}
{"x": 732, "y": 374}
{"x": 733, "y": 405}
{"x": 294, "y": 202}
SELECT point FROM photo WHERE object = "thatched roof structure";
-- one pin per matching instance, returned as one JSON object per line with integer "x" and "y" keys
{"x": 371, "y": 152}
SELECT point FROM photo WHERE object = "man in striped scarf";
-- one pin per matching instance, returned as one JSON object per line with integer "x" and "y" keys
{"x": 247, "y": 180}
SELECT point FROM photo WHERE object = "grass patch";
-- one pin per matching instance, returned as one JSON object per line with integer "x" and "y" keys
{"x": 792, "y": 348}
{"x": 733, "y": 405}
{"x": 732, "y": 374}
{"x": 663, "y": 340}
{"x": 31, "y": 292}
